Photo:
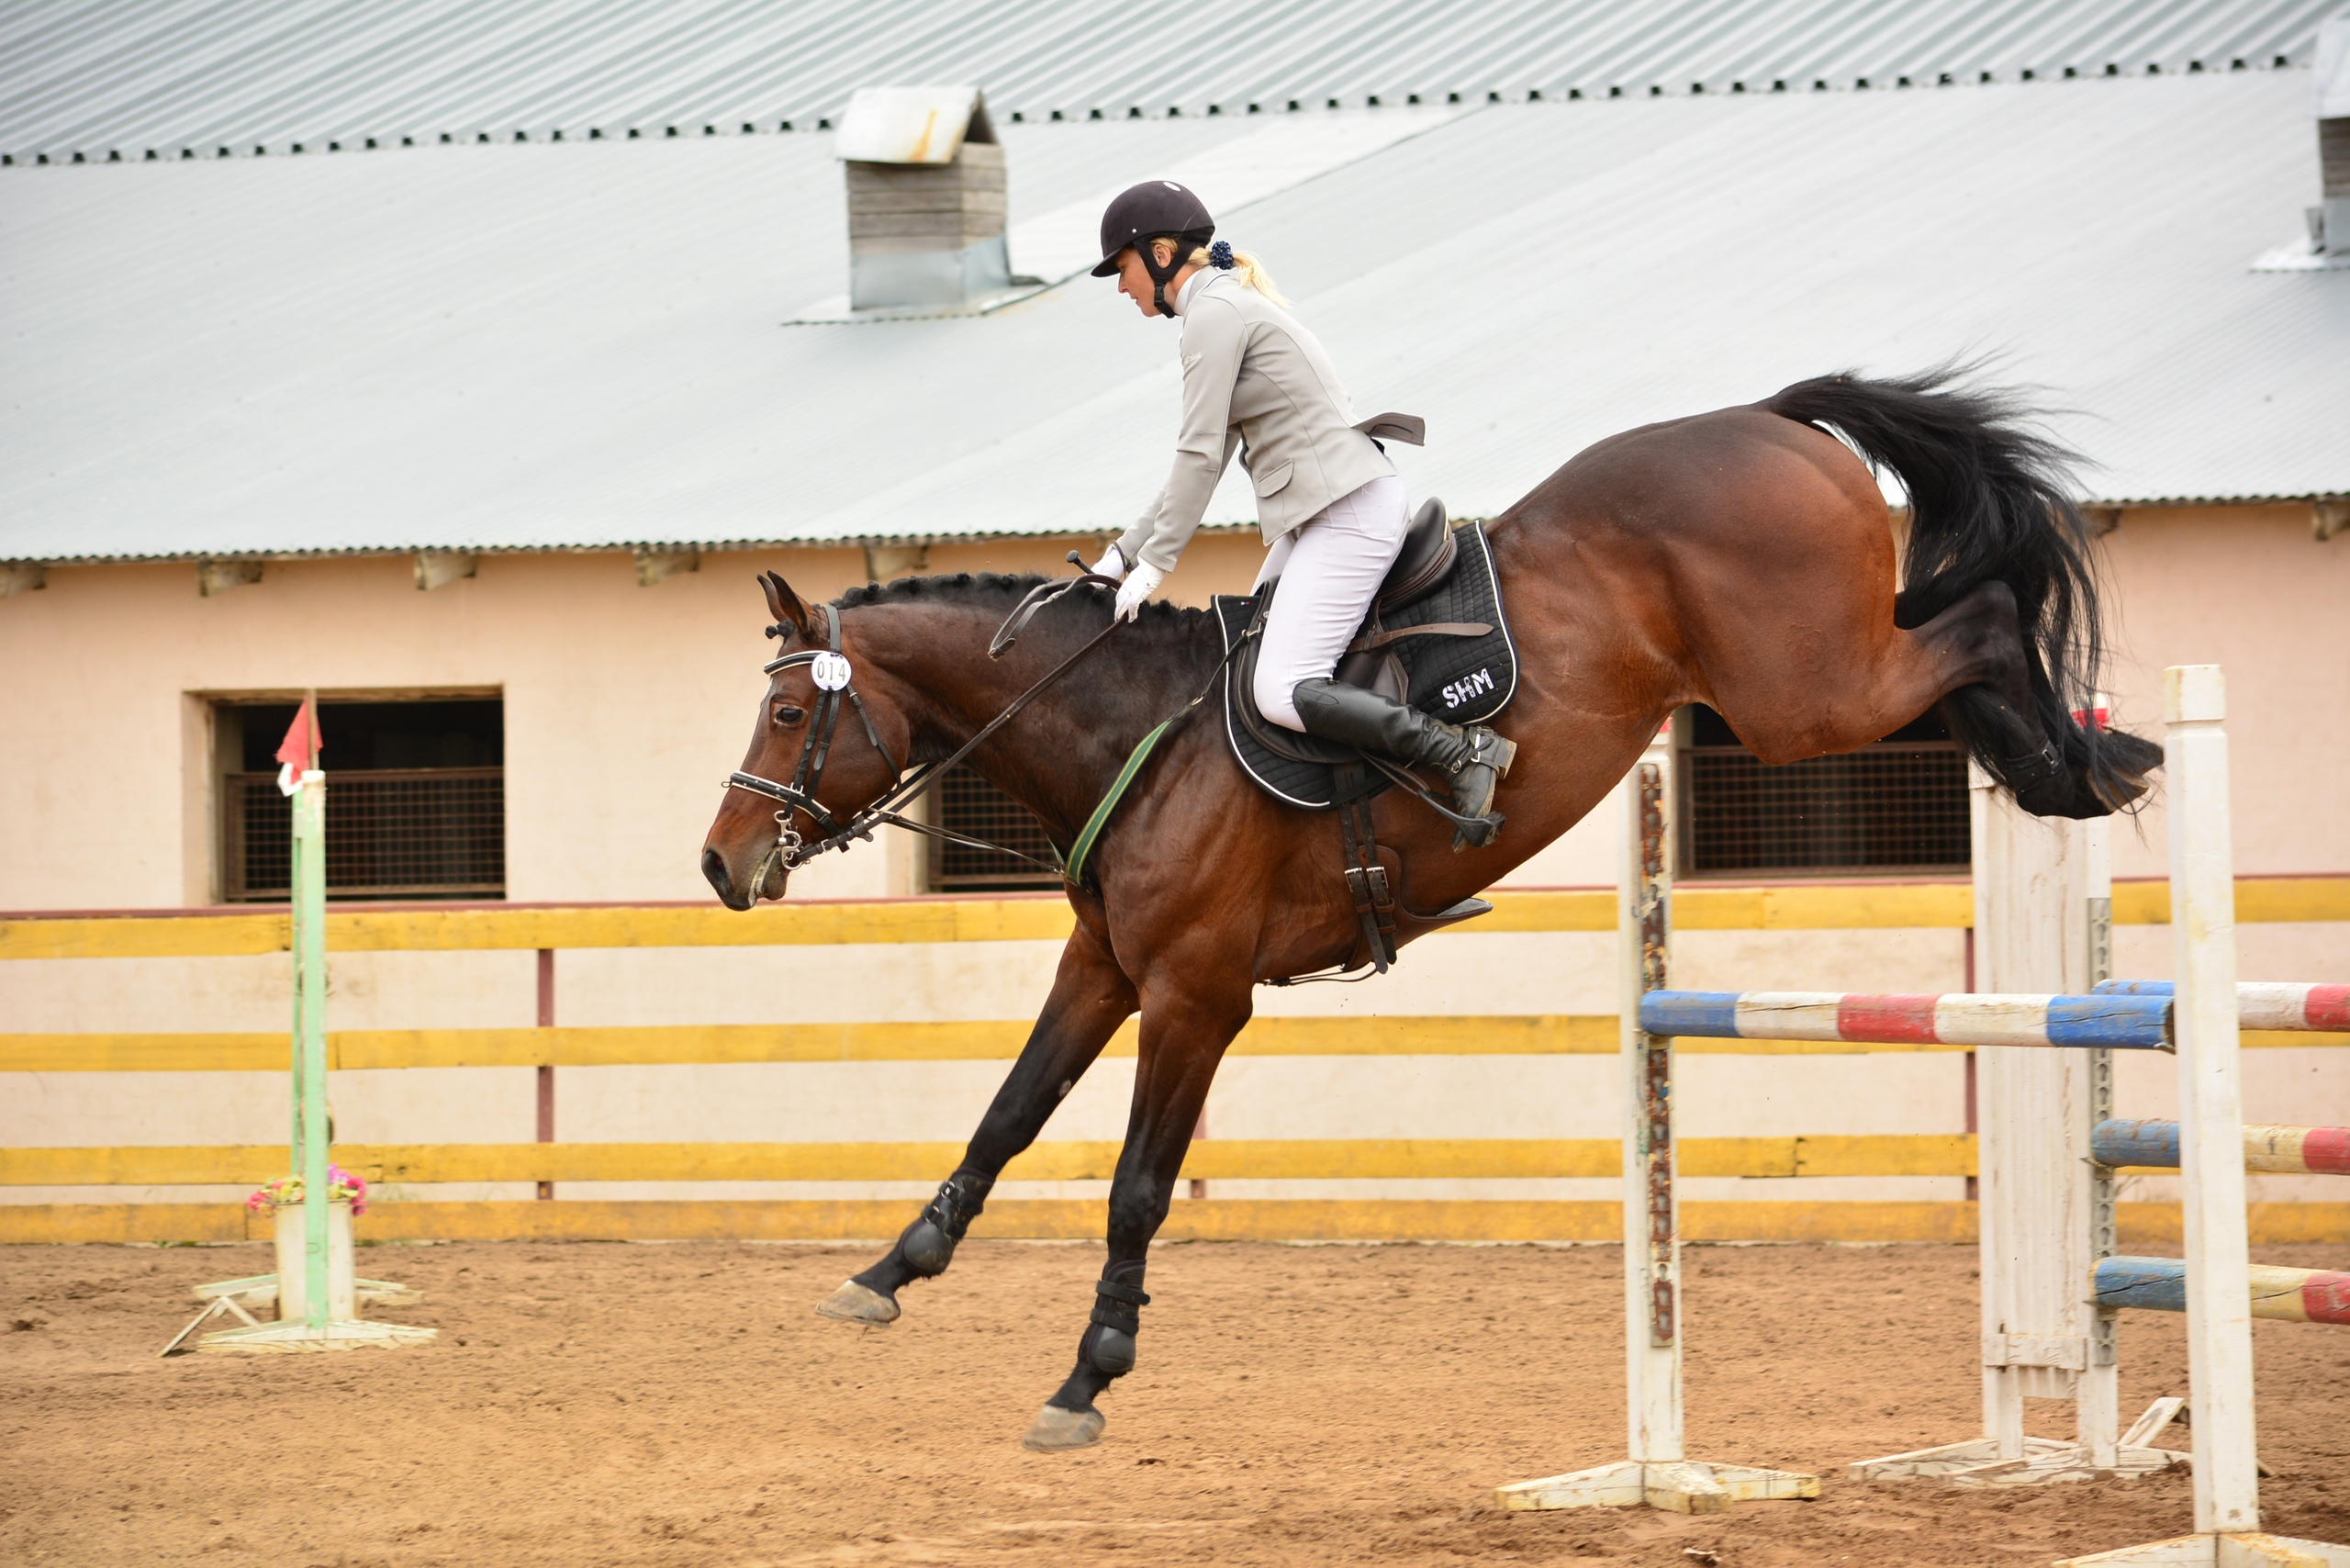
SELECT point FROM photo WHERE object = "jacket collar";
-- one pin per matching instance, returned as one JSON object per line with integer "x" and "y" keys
{"x": 1199, "y": 285}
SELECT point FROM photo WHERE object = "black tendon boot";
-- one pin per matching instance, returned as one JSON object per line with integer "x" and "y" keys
{"x": 1068, "y": 1419}
{"x": 923, "y": 1251}
{"x": 1473, "y": 757}
{"x": 929, "y": 1243}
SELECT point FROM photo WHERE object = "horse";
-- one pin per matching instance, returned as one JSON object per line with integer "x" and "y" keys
{"x": 1744, "y": 558}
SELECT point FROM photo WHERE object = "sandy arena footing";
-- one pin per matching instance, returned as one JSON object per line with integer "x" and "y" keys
{"x": 684, "y": 1404}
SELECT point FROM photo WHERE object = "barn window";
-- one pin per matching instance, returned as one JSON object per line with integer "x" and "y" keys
{"x": 968, "y": 803}
{"x": 415, "y": 798}
{"x": 1897, "y": 806}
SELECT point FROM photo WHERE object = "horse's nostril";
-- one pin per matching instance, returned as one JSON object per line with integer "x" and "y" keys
{"x": 713, "y": 866}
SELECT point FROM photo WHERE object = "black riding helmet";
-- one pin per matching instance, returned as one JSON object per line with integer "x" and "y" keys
{"x": 1148, "y": 211}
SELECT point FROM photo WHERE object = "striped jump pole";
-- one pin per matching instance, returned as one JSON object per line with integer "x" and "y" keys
{"x": 2288, "y": 1296}
{"x": 2262, "y": 1005}
{"x": 2277, "y": 1150}
{"x": 2110, "y": 1022}
{"x": 2215, "y": 1284}
{"x": 1657, "y": 1472}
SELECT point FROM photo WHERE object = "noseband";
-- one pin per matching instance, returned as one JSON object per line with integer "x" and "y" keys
{"x": 834, "y": 679}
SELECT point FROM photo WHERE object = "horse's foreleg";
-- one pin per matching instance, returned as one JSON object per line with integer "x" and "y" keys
{"x": 1091, "y": 998}
{"x": 1184, "y": 1039}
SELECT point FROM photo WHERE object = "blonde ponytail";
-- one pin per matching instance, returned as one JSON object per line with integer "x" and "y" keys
{"x": 1247, "y": 269}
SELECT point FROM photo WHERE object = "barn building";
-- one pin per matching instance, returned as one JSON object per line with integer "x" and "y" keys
{"x": 465, "y": 366}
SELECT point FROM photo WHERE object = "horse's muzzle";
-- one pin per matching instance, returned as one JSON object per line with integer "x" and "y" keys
{"x": 714, "y": 872}
{"x": 766, "y": 879}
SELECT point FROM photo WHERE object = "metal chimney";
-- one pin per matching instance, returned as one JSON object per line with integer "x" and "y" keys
{"x": 925, "y": 198}
{"x": 2330, "y": 221}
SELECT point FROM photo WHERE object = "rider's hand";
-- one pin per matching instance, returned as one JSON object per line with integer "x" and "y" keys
{"x": 1139, "y": 585}
{"x": 1111, "y": 565}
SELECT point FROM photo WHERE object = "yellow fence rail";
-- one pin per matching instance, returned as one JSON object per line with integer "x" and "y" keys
{"x": 1045, "y": 917}
{"x": 1257, "y": 1159}
{"x": 1038, "y": 918}
{"x": 679, "y": 1045}
{"x": 875, "y": 1220}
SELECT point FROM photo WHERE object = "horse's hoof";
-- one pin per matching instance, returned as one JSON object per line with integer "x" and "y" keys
{"x": 853, "y": 1304}
{"x": 1056, "y": 1428}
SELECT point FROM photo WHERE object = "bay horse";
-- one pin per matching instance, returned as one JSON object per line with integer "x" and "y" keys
{"x": 1743, "y": 558}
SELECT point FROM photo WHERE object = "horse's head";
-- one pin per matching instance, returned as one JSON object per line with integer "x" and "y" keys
{"x": 842, "y": 771}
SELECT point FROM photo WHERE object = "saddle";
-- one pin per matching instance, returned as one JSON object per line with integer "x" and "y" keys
{"x": 1435, "y": 638}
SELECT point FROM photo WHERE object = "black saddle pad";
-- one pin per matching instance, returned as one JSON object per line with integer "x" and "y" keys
{"x": 1460, "y": 679}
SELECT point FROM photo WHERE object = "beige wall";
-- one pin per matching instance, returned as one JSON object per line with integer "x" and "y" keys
{"x": 2247, "y": 589}
{"x": 624, "y": 706}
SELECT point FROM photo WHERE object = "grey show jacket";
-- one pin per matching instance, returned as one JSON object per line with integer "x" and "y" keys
{"x": 1255, "y": 380}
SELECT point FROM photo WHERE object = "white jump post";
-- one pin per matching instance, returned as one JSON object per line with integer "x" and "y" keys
{"x": 2043, "y": 924}
{"x": 2212, "y": 1154}
{"x": 1657, "y": 1473}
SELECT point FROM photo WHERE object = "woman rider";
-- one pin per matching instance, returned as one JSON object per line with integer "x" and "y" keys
{"x": 1329, "y": 502}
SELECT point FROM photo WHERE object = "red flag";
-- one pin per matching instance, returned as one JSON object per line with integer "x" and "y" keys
{"x": 298, "y": 751}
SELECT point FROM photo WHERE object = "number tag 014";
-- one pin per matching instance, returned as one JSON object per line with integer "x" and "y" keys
{"x": 829, "y": 671}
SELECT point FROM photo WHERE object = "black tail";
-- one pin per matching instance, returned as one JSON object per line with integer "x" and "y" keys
{"x": 1989, "y": 502}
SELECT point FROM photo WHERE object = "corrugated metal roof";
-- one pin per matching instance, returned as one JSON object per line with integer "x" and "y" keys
{"x": 547, "y": 347}
{"x": 100, "y": 80}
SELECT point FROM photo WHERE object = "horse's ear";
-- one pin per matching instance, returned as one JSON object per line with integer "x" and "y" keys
{"x": 786, "y": 605}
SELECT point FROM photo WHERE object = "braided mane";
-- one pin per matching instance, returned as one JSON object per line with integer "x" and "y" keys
{"x": 1003, "y": 591}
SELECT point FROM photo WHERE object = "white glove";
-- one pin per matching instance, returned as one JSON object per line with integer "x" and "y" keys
{"x": 1139, "y": 585}
{"x": 1111, "y": 565}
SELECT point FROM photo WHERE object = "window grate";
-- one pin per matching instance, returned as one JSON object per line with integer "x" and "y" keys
{"x": 968, "y": 803}
{"x": 1897, "y": 806}
{"x": 391, "y": 833}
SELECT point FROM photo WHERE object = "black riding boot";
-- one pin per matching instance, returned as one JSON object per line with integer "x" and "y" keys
{"x": 1474, "y": 757}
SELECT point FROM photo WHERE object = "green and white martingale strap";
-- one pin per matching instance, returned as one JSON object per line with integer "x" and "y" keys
{"x": 1095, "y": 824}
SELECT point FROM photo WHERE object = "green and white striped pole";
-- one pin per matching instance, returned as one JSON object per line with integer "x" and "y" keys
{"x": 309, "y": 871}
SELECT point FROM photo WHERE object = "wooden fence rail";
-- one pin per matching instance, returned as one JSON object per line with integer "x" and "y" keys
{"x": 672, "y": 1045}
{"x": 1042, "y": 918}
{"x": 1259, "y": 1159}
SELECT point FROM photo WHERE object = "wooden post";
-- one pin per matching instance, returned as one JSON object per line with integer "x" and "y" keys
{"x": 2206, "y": 1018}
{"x": 1656, "y": 1474}
{"x": 546, "y": 1070}
{"x": 2030, "y": 892}
{"x": 2099, "y": 1415}
{"x": 320, "y": 1328}
{"x": 2042, "y": 922}
{"x": 2203, "y": 950}
{"x": 1652, "y": 1235}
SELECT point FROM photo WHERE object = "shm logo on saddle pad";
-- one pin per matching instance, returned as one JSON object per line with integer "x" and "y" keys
{"x": 1467, "y": 687}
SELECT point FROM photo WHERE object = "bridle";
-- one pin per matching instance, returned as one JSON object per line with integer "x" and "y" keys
{"x": 834, "y": 679}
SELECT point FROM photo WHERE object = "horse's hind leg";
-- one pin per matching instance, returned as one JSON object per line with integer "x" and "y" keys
{"x": 2003, "y": 715}
{"x": 1183, "y": 1038}
{"x": 1091, "y": 998}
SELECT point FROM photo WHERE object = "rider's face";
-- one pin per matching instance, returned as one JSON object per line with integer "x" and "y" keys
{"x": 1134, "y": 278}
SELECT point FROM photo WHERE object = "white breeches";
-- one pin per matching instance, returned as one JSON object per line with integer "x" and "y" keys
{"x": 1330, "y": 567}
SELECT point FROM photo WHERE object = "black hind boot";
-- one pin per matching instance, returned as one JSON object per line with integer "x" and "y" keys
{"x": 1473, "y": 757}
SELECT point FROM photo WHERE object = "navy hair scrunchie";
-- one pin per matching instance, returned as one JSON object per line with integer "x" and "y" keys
{"x": 1220, "y": 255}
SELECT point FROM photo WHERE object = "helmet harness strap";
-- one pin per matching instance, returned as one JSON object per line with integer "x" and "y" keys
{"x": 1160, "y": 276}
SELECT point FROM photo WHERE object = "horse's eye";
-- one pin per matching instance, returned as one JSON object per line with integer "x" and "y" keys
{"x": 787, "y": 715}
